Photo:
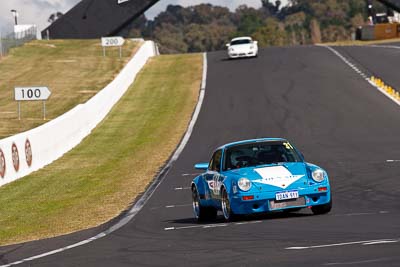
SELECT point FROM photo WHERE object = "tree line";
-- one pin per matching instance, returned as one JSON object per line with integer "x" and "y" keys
{"x": 206, "y": 27}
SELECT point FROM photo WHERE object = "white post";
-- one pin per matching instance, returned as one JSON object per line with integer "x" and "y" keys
{"x": 1, "y": 46}
{"x": 19, "y": 110}
{"x": 44, "y": 110}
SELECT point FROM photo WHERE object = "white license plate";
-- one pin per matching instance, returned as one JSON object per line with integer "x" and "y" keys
{"x": 287, "y": 195}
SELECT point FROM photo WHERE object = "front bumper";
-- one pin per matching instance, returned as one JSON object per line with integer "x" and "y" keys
{"x": 242, "y": 54}
{"x": 265, "y": 201}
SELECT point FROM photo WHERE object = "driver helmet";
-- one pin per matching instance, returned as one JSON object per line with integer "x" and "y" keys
{"x": 234, "y": 156}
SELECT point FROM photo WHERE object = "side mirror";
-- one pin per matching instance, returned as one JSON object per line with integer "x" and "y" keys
{"x": 201, "y": 166}
{"x": 255, "y": 42}
{"x": 228, "y": 45}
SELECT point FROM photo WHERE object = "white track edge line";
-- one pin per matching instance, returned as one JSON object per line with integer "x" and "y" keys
{"x": 384, "y": 46}
{"x": 142, "y": 201}
{"x": 365, "y": 242}
{"x": 363, "y": 75}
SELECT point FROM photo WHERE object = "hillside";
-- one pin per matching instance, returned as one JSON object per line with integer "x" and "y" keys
{"x": 207, "y": 27}
{"x": 74, "y": 71}
{"x": 101, "y": 177}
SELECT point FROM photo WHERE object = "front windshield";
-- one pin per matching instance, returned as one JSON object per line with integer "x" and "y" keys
{"x": 241, "y": 41}
{"x": 255, "y": 154}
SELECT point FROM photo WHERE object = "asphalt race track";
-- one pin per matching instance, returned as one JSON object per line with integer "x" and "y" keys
{"x": 379, "y": 61}
{"x": 337, "y": 119}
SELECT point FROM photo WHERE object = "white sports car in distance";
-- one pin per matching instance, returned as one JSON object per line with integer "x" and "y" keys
{"x": 242, "y": 47}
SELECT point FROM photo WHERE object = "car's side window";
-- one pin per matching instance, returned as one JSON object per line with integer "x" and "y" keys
{"x": 215, "y": 164}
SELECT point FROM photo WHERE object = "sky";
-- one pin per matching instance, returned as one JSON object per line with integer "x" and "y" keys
{"x": 38, "y": 11}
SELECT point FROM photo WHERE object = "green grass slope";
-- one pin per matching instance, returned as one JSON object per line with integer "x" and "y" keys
{"x": 102, "y": 176}
{"x": 74, "y": 70}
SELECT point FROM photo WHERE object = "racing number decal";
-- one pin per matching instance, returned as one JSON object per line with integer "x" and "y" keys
{"x": 217, "y": 182}
{"x": 28, "y": 152}
{"x": 15, "y": 156}
{"x": 2, "y": 164}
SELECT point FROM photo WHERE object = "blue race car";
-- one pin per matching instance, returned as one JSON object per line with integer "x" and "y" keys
{"x": 257, "y": 176}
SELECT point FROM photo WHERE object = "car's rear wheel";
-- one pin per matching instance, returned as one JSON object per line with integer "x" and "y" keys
{"x": 322, "y": 209}
{"x": 226, "y": 207}
{"x": 200, "y": 212}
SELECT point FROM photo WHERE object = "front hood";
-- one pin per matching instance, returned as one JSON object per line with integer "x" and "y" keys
{"x": 270, "y": 177}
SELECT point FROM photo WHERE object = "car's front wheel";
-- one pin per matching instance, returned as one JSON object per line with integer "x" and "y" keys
{"x": 226, "y": 207}
{"x": 200, "y": 212}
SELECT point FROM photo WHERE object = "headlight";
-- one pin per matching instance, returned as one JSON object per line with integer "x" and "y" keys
{"x": 318, "y": 175}
{"x": 251, "y": 47}
{"x": 244, "y": 184}
{"x": 231, "y": 50}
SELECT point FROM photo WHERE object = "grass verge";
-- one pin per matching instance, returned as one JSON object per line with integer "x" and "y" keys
{"x": 74, "y": 70}
{"x": 98, "y": 179}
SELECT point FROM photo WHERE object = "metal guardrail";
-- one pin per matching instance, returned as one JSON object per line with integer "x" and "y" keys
{"x": 16, "y": 39}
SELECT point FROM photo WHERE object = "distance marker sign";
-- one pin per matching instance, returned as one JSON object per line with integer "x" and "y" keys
{"x": 112, "y": 41}
{"x": 31, "y": 93}
{"x": 38, "y": 93}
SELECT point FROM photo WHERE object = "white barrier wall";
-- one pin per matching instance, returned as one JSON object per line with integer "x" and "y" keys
{"x": 27, "y": 152}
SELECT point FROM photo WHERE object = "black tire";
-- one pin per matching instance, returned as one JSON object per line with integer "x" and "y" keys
{"x": 322, "y": 209}
{"x": 202, "y": 213}
{"x": 229, "y": 216}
